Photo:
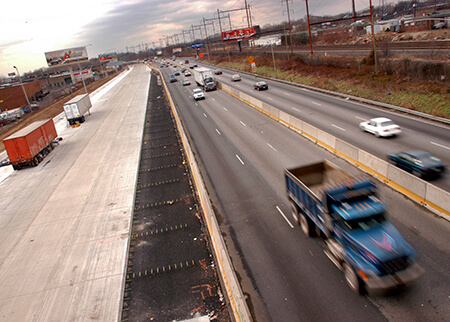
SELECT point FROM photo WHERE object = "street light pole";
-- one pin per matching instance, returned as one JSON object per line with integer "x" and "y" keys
{"x": 21, "y": 84}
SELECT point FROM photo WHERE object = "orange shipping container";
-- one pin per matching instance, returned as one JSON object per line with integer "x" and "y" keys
{"x": 30, "y": 144}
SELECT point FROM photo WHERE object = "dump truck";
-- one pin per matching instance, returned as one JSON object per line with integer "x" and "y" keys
{"x": 345, "y": 211}
{"x": 76, "y": 108}
{"x": 30, "y": 145}
{"x": 204, "y": 78}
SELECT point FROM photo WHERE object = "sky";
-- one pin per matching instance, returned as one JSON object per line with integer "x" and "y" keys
{"x": 30, "y": 28}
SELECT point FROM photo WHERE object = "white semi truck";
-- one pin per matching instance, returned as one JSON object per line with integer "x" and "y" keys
{"x": 76, "y": 108}
{"x": 204, "y": 78}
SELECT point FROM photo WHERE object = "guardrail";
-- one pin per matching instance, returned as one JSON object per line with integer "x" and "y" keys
{"x": 426, "y": 194}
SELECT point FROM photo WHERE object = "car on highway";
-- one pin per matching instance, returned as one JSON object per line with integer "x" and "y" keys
{"x": 218, "y": 72}
{"x": 191, "y": 67}
{"x": 235, "y": 78}
{"x": 183, "y": 69}
{"x": 198, "y": 94}
{"x": 172, "y": 78}
{"x": 176, "y": 73}
{"x": 187, "y": 73}
{"x": 261, "y": 86}
{"x": 420, "y": 163}
{"x": 186, "y": 82}
{"x": 381, "y": 127}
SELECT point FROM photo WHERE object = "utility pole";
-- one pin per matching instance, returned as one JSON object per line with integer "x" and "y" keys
{"x": 206, "y": 37}
{"x": 309, "y": 27}
{"x": 353, "y": 11}
{"x": 221, "y": 35}
{"x": 373, "y": 37}
{"x": 289, "y": 22}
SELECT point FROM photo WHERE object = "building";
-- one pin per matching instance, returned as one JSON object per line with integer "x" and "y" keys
{"x": 12, "y": 95}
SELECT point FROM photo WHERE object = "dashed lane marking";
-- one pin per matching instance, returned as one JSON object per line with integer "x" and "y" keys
{"x": 285, "y": 218}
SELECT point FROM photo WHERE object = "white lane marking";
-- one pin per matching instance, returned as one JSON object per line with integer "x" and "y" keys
{"x": 240, "y": 160}
{"x": 213, "y": 99}
{"x": 279, "y": 210}
{"x": 440, "y": 145}
{"x": 296, "y": 109}
{"x": 204, "y": 115}
{"x": 269, "y": 98}
{"x": 225, "y": 108}
{"x": 243, "y": 123}
{"x": 315, "y": 103}
{"x": 360, "y": 118}
{"x": 218, "y": 132}
{"x": 287, "y": 94}
{"x": 196, "y": 104}
{"x": 272, "y": 147}
{"x": 339, "y": 128}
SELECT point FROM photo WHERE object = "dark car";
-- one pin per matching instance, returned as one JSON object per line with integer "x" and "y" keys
{"x": 172, "y": 78}
{"x": 261, "y": 86}
{"x": 191, "y": 67}
{"x": 176, "y": 73}
{"x": 218, "y": 72}
{"x": 420, "y": 163}
{"x": 183, "y": 70}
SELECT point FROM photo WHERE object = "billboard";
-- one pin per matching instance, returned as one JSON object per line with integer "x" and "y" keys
{"x": 66, "y": 56}
{"x": 176, "y": 50}
{"x": 107, "y": 57}
{"x": 159, "y": 53}
{"x": 240, "y": 34}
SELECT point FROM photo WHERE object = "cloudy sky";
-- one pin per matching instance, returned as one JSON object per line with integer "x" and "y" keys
{"x": 29, "y": 28}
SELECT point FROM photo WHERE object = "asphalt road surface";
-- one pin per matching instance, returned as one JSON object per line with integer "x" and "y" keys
{"x": 287, "y": 277}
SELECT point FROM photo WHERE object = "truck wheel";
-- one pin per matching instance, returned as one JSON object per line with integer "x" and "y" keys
{"x": 306, "y": 225}
{"x": 16, "y": 167}
{"x": 295, "y": 212}
{"x": 352, "y": 279}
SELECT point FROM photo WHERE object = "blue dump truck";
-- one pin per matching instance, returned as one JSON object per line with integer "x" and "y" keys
{"x": 344, "y": 210}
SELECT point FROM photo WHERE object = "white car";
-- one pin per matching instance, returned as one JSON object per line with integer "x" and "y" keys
{"x": 380, "y": 126}
{"x": 235, "y": 78}
{"x": 198, "y": 94}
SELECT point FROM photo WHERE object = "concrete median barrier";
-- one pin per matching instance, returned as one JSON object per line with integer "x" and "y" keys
{"x": 434, "y": 198}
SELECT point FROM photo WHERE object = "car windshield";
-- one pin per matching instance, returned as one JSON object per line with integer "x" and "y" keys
{"x": 365, "y": 223}
{"x": 387, "y": 123}
{"x": 426, "y": 159}
{"x": 197, "y": 91}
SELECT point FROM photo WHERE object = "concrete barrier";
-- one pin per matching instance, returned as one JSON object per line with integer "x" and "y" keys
{"x": 327, "y": 138}
{"x": 434, "y": 198}
{"x": 406, "y": 180}
{"x": 348, "y": 149}
{"x": 228, "y": 276}
{"x": 378, "y": 166}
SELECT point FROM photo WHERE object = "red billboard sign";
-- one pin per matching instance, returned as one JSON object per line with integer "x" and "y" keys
{"x": 239, "y": 34}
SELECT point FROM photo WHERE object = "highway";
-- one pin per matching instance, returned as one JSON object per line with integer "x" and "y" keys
{"x": 242, "y": 154}
{"x": 341, "y": 118}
